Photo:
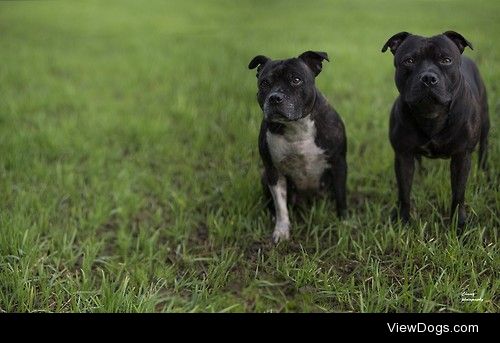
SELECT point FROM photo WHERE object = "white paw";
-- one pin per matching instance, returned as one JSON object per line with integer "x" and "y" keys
{"x": 281, "y": 233}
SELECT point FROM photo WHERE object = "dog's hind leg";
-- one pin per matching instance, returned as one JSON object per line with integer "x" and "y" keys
{"x": 483, "y": 149}
{"x": 420, "y": 168}
{"x": 483, "y": 139}
{"x": 339, "y": 180}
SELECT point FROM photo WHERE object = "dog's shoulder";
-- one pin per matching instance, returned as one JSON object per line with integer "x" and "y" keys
{"x": 404, "y": 135}
{"x": 330, "y": 134}
{"x": 264, "y": 152}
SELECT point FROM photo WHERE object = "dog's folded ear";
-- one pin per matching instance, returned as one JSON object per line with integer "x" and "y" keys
{"x": 395, "y": 41}
{"x": 258, "y": 61}
{"x": 314, "y": 60}
{"x": 459, "y": 40}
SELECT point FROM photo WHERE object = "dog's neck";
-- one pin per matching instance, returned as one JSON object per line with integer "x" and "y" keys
{"x": 292, "y": 128}
{"x": 429, "y": 121}
{"x": 299, "y": 127}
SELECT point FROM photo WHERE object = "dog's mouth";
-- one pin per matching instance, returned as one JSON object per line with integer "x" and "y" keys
{"x": 428, "y": 98}
{"x": 279, "y": 116}
{"x": 430, "y": 105}
{"x": 281, "y": 113}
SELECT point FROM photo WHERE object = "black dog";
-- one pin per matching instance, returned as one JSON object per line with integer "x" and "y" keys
{"x": 441, "y": 112}
{"x": 302, "y": 138}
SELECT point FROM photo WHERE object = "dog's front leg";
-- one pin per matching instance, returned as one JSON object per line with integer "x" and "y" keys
{"x": 282, "y": 228}
{"x": 459, "y": 168}
{"x": 404, "y": 166}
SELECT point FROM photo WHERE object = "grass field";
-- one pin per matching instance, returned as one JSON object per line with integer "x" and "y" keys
{"x": 129, "y": 170}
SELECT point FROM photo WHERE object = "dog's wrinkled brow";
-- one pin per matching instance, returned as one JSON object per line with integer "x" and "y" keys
{"x": 282, "y": 68}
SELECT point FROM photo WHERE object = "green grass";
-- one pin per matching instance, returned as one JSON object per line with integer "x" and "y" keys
{"x": 129, "y": 170}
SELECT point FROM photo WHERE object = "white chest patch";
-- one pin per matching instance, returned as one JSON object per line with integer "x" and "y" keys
{"x": 296, "y": 155}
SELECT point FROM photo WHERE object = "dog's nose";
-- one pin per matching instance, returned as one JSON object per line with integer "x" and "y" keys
{"x": 429, "y": 79}
{"x": 276, "y": 98}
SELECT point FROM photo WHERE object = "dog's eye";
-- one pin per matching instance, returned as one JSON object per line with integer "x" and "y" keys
{"x": 446, "y": 60}
{"x": 295, "y": 81}
{"x": 409, "y": 61}
{"x": 264, "y": 84}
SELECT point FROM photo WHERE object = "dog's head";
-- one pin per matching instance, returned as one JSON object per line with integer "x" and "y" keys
{"x": 286, "y": 89}
{"x": 427, "y": 69}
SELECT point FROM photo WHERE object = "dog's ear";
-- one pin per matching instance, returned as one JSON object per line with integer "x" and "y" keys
{"x": 314, "y": 60}
{"x": 395, "y": 41}
{"x": 459, "y": 40}
{"x": 258, "y": 61}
